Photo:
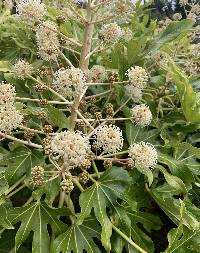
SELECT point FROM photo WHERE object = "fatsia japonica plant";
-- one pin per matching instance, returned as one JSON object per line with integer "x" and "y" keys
{"x": 99, "y": 128}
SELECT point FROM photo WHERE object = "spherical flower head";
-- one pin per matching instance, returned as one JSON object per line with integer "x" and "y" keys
{"x": 22, "y": 69}
{"x": 72, "y": 147}
{"x": 37, "y": 176}
{"x": 141, "y": 115}
{"x": 47, "y": 41}
{"x": 137, "y": 77}
{"x": 69, "y": 82}
{"x": 97, "y": 74}
{"x": 144, "y": 155}
{"x": 109, "y": 138}
{"x": 10, "y": 119}
{"x": 31, "y": 11}
{"x": 134, "y": 93}
{"x": 111, "y": 33}
{"x": 7, "y": 95}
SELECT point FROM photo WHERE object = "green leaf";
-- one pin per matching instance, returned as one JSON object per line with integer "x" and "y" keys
{"x": 104, "y": 193}
{"x": 35, "y": 217}
{"x": 138, "y": 134}
{"x": 78, "y": 238}
{"x": 20, "y": 161}
{"x": 173, "y": 181}
{"x": 4, "y": 66}
{"x": 187, "y": 96}
{"x": 181, "y": 239}
{"x": 57, "y": 118}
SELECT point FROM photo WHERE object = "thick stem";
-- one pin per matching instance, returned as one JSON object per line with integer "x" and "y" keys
{"x": 15, "y": 185}
{"x": 84, "y": 62}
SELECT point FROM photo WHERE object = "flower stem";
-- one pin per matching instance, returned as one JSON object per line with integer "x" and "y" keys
{"x": 21, "y": 141}
{"x": 16, "y": 191}
{"x": 15, "y": 185}
{"x": 62, "y": 199}
{"x": 95, "y": 169}
{"x": 128, "y": 240}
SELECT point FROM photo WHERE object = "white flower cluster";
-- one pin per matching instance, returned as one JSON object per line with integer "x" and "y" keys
{"x": 134, "y": 93}
{"x": 69, "y": 82}
{"x": 47, "y": 41}
{"x": 109, "y": 138}
{"x": 141, "y": 115}
{"x": 97, "y": 74}
{"x": 137, "y": 82}
{"x": 7, "y": 95}
{"x": 137, "y": 77}
{"x": 30, "y": 11}
{"x": 22, "y": 69}
{"x": 111, "y": 33}
{"x": 144, "y": 155}
{"x": 71, "y": 147}
{"x": 10, "y": 118}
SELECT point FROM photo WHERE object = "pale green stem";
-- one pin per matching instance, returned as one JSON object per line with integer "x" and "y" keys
{"x": 62, "y": 199}
{"x": 9, "y": 137}
{"x": 17, "y": 190}
{"x": 95, "y": 168}
{"x": 129, "y": 240}
{"x": 76, "y": 182}
{"x": 15, "y": 185}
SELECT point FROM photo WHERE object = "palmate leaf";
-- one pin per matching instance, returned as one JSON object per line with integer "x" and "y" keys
{"x": 35, "y": 217}
{"x": 187, "y": 96}
{"x": 78, "y": 238}
{"x": 183, "y": 163}
{"x": 20, "y": 161}
{"x": 182, "y": 239}
{"x": 102, "y": 194}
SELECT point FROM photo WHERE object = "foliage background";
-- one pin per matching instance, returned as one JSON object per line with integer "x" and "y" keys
{"x": 160, "y": 216}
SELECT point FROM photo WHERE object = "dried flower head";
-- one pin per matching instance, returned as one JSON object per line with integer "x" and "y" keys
{"x": 69, "y": 82}
{"x": 37, "y": 176}
{"x": 109, "y": 138}
{"x": 111, "y": 33}
{"x": 7, "y": 94}
{"x": 144, "y": 155}
{"x": 47, "y": 40}
{"x": 97, "y": 74}
{"x": 22, "y": 69}
{"x": 31, "y": 11}
{"x": 137, "y": 77}
{"x": 141, "y": 115}
{"x": 10, "y": 119}
{"x": 134, "y": 93}
{"x": 71, "y": 147}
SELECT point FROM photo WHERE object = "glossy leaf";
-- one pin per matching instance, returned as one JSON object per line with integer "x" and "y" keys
{"x": 35, "y": 218}
{"x": 78, "y": 238}
{"x": 104, "y": 193}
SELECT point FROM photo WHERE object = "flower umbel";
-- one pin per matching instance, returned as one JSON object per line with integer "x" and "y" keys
{"x": 97, "y": 74}
{"x": 109, "y": 138}
{"x": 137, "y": 77}
{"x": 141, "y": 115}
{"x": 71, "y": 147}
{"x": 7, "y": 95}
{"x": 22, "y": 69}
{"x": 47, "y": 40}
{"x": 111, "y": 33}
{"x": 69, "y": 82}
{"x": 144, "y": 155}
{"x": 31, "y": 11}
